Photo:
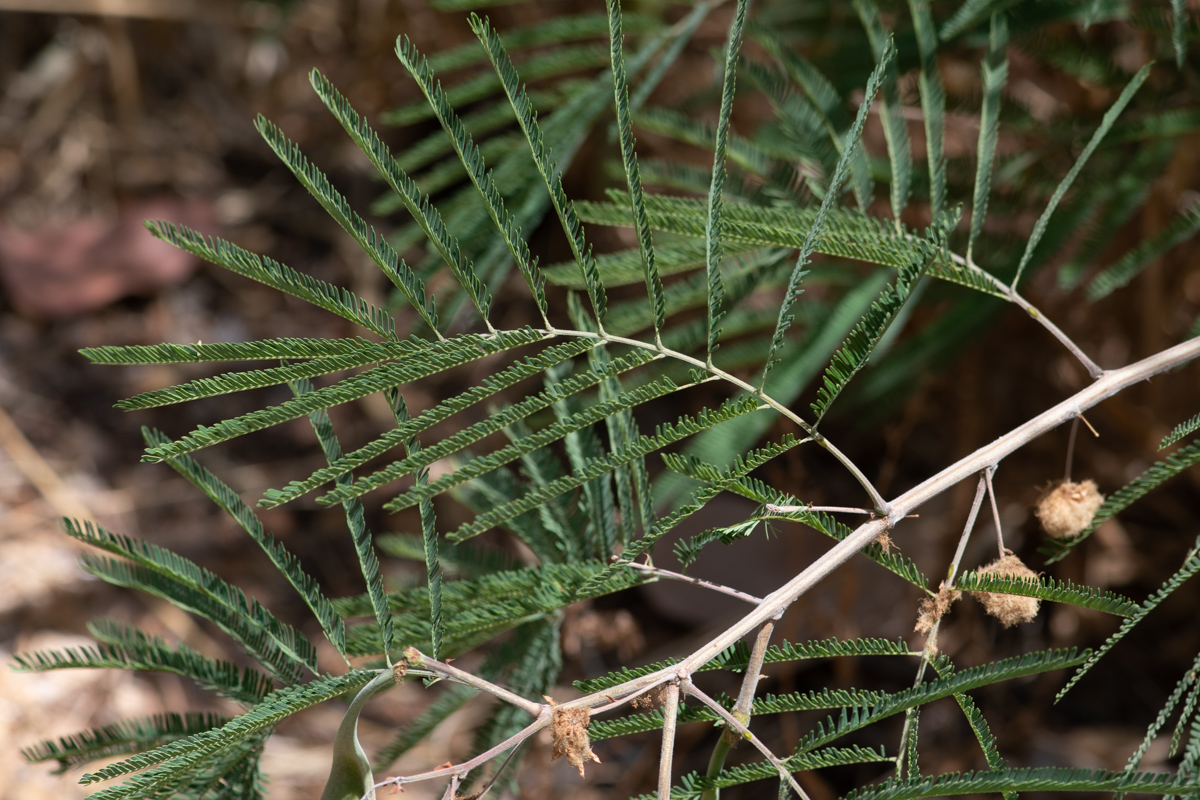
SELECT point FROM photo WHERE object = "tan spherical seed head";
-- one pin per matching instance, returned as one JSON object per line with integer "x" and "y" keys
{"x": 1008, "y": 608}
{"x": 1069, "y": 508}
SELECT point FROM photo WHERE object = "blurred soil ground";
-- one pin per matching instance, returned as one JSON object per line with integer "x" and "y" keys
{"x": 107, "y": 120}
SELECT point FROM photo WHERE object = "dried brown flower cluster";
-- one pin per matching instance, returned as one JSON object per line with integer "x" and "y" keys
{"x": 569, "y": 735}
{"x": 934, "y": 608}
{"x": 1068, "y": 509}
{"x": 1010, "y": 609}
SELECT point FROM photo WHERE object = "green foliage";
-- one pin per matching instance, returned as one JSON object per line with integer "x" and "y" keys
{"x": 1059, "y": 591}
{"x": 127, "y": 736}
{"x": 556, "y": 445}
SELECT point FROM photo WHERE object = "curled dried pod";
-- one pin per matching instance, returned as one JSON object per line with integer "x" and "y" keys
{"x": 1010, "y": 609}
{"x": 1068, "y": 509}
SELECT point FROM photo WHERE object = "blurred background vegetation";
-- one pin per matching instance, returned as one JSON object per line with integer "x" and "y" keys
{"x": 113, "y": 111}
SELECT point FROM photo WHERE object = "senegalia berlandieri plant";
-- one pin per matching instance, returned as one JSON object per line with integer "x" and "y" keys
{"x": 588, "y": 518}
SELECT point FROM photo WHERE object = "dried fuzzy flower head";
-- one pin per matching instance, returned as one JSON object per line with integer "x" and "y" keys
{"x": 934, "y": 608}
{"x": 1069, "y": 508}
{"x": 1008, "y": 608}
{"x": 569, "y": 735}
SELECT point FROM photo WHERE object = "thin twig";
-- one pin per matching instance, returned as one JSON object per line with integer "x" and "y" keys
{"x": 1009, "y": 292}
{"x": 774, "y": 509}
{"x": 677, "y": 576}
{"x": 1095, "y": 432}
{"x": 419, "y": 660}
{"x": 930, "y": 649}
{"x": 952, "y": 572}
{"x": 784, "y": 773}
{"x": 987, "y": 477}
{"x": 487, "y": 787}
{"x": 745, "y": 699}
{"x": 666, "y": 757}
{"x": 462, "y": 769}
{"x": 1070, "y": 450}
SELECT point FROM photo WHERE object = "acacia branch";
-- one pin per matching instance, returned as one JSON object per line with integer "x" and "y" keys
{"x": 985, "y": 458}
{"x": 1107, "y": 385}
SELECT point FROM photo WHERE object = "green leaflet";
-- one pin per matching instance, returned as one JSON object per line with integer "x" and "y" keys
{"x": 476, "y": 611}
{"x": 257, "y": 379}
{"x": 859, "y": 717}
{"x": 1132, "y": 263}
{"x": 489, "y": 387}
{"x": 979, "y": 726}
{"x": 437, "y": 357}
{"x": 895, "y": 128}
{"x": 163, "y": 573}
{"x": 429, "y": 542}
{"x": 849, "y": 234}
{"x": 277, "y": 349}
{"x": 827, "y": 104}
{"x": 1030, "y": 779}
{"x": 228, "y": 500}
{"x": 468, "y": 436}
{"x": 171, "y": 760}
{"x": 479, "y": 174}
{"x": 1190, "y": 566}
{"x": 933, "y": 104}
{"x": 541, "y": 156}
{"x": 368, "y": 562}
{"x": 715, "y": 307}
{"x": 995, "y": 76}
{"x": 1059, "y": 591}
{"x": 694, "y": 784}
{"x": 367, "y": 238}
{"x": 857, "y": 348}
{"x": 267, "y": 271}
{"x": 654, "y": 287}
{"x": 483, "y": 85}
{"x": 767, "y": 704}
{"x": 1110, "y": 117}
{"x": 736, "y": 657}
{"x": 126, "y": 736}
{"x": 1179, "y": 431}
{"x": 125, "y": 647}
